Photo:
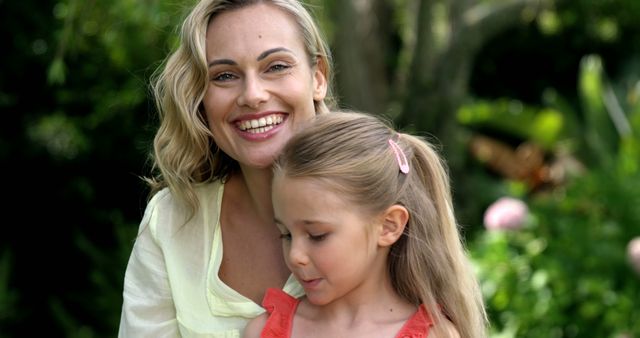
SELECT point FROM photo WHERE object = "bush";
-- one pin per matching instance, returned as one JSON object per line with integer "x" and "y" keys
{"x": 566, "y": 274}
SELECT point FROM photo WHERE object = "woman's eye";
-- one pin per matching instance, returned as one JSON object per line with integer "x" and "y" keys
{"x": 318, "y": 238}
{"x": 222, "y": 77}
{"x": 286, "y": 236}
{"x": 278, "y": 67}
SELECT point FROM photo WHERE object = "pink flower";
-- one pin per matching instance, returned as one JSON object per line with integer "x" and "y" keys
{"x": 633, "y": 253}
{"x": 506, "y": 213}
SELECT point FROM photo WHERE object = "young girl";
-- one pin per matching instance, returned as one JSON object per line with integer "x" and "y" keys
{"x": 368, "y": 230}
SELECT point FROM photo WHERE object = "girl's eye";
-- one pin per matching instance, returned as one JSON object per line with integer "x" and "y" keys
{"x": 286, "y": 237}
{"x": 318, "y": 238}
{"x": 222, "y": 77}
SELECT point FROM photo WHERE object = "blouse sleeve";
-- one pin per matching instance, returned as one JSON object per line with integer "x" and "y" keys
{"x": 148, "y": 309}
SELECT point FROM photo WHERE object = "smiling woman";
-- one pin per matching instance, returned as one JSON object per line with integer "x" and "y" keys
{"x": 259, "y": 68}
{"x": 246, "y": 76}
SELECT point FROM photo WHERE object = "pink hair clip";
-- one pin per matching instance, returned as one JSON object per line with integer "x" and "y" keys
{"x": 400, "y": 157}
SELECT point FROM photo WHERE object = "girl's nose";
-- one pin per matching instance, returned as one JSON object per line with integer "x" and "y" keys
{"x": 297, "y": 254}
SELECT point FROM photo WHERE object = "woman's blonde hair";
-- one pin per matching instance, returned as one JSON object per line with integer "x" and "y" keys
{"x": 185, "y": 154}
{"x": 350, "y": 151}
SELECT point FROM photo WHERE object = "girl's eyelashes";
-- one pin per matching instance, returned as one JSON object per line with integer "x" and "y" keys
{"x": 286, "y": 236}
{"x": 318, "y": 238}
{"x": 314, "y": 238}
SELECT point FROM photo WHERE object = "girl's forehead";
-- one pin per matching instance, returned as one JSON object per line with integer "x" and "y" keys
{"x": 311, "y": 197}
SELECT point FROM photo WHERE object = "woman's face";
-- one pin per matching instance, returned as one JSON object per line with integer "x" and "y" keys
{"x": 262, "y": 85}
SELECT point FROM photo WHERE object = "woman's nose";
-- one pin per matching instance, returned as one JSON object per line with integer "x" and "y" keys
{"x": 253, "y": 93}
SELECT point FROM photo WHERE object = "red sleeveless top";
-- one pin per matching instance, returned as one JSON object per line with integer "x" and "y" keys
{"x": 281, "y": 308}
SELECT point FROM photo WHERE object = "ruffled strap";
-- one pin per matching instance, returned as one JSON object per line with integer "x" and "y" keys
{"x": 281, "y": 307}
{"x": 418, "y": 325}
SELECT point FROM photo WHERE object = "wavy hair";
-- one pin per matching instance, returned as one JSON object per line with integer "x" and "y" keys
{"x": 184, "y": 153}
{"x": 428, "y": 265}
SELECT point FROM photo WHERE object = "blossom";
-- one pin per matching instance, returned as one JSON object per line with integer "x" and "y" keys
{"x": 633, "y": 253}
{"x": 506, "y": 213}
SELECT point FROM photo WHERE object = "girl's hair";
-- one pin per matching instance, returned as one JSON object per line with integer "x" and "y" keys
{"x": 185, "y": 154}
{"x": 428, "y": 265}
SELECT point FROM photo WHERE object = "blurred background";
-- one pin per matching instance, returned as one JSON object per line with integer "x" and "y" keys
{"x": 535, "y": 104}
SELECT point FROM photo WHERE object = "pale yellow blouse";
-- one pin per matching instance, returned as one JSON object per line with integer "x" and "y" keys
{"x": 171, "y": 284}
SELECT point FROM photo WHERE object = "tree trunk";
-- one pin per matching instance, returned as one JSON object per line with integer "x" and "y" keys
{"x": 449, "y": 34}
{"x": 361, "y": 49}
{"x": 442, "y": 63}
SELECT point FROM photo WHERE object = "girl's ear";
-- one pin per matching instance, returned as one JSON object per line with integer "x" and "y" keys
{"x": 394, "y": 220}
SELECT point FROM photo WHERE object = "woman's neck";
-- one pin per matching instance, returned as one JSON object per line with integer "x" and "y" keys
{"x": 256, "y": 186}
{"x": 253, "y": 258}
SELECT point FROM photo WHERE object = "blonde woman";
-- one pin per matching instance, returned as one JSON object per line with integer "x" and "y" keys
{"x": 245, "y": 77}
{"x": 369, "y": 231}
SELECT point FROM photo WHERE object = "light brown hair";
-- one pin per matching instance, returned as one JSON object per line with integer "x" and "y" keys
{"x": 428, "y": 264}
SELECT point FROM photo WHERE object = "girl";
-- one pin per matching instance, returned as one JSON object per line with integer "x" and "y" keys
{"x": 369, "y": 232}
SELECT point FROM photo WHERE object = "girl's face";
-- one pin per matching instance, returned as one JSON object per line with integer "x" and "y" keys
{"x": 329, "y": 245}
{"x": 262, "y": 85}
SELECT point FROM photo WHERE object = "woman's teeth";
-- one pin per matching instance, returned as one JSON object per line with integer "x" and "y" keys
{"x": 260, "y": 125}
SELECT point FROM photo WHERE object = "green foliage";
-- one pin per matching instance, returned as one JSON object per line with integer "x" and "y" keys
{"x": 75, "y": 137}
{"x": 510, "y": 116}
{"x": 103, "y": 307}
{"x": 59, "y": 135}
{"x": 600, "y": 135}
{"x": 566, "y": 273}
{"x": 8, "y": 294}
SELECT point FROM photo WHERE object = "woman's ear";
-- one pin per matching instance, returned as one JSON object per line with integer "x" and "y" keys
{"x": 319, "y": 80}
{"x": 394, "y": 220}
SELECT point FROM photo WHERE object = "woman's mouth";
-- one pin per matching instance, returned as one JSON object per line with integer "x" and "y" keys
{"x": 260, "y": 125}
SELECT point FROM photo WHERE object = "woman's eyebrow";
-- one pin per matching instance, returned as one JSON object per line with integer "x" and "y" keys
{"x": 260, "y": 57}
{"x": 222, "y": 62}
{"x": 271, "y": 51}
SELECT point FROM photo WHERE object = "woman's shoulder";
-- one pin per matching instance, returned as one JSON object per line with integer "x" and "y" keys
{"x": 161, "y": 196}
{"x": 165, "y": 213}
{"x": 166, "y": 199}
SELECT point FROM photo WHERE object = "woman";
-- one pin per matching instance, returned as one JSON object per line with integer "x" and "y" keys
{"x": 246, "y": 76}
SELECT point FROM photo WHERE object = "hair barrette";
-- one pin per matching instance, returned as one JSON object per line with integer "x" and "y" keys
{"x": 400, "y": 157}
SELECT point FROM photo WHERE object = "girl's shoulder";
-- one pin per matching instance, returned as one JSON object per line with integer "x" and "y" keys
{"x": 280, "y": 309}
{"x": 254, "y": 327}
{"x": 447, "y": 328}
